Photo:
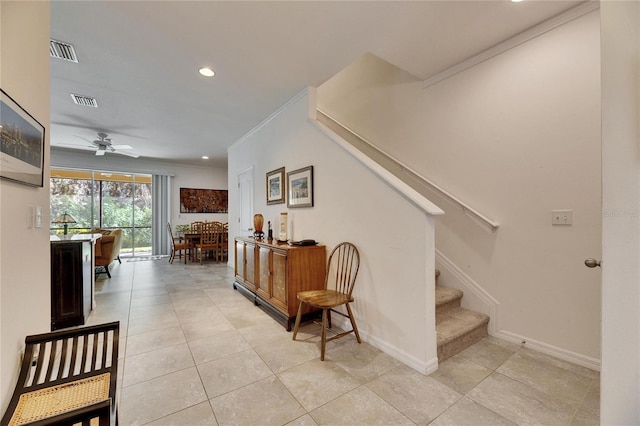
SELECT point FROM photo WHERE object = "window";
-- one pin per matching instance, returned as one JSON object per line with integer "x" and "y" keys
{"x": 105, "y": 200}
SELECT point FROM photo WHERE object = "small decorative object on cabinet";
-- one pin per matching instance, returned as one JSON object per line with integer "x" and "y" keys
{"x": 282, "y": 236}
{"x": 258, "y": 221}
{"x": 272, "y": 274}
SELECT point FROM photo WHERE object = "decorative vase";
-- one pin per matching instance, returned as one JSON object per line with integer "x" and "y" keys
{"x": 258, "y": 221}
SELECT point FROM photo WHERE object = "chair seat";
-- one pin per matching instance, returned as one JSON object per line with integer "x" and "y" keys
{"x": 324, "y": 298}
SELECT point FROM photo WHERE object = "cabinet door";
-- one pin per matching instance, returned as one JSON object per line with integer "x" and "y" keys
{"x": 250, "y": 266}
{"x": 239, "y": 264}
{"x": 264, "y": 287}
{"x": 279, "y": 279}
{"x": 66, "y": 285}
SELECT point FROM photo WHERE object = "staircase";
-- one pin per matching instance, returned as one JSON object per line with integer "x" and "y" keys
{"x": 457, "y": 328}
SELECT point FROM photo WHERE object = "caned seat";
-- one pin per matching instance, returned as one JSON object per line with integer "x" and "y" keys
{"x": 67, "y": 377}
{"x": 178, "y": 246}
{"x": 340, "y": 279}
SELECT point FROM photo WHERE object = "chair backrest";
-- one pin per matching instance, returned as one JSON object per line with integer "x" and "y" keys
{"x": 197, "y": 226}
{"x": 173, "y": 244}
{"x": 342, "y": 268}
{"x": 211, "y": 232}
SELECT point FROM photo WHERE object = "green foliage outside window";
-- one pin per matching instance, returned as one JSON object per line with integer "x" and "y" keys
{"x": 122, "y": 205}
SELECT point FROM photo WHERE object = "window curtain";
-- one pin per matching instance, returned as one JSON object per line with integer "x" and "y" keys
{"x": 161, "y": 214}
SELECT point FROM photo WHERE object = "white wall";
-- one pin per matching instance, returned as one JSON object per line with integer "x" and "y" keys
{"x": 620, "y": 377}
{"x": 25, "y": 274}
{"x": 351, "y": 204}
{"x": 184, "y": 176}
{"x": 515, "y": 137}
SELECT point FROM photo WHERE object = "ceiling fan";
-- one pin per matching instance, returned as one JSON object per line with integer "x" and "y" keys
{"x": 103, "y": 144}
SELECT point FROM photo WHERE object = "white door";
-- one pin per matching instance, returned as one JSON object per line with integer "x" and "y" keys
{"x": 620, "y": 365}
{"x": 245, "y": 193}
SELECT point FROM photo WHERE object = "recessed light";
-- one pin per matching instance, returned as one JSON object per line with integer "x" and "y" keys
{"x": 207, "y": 72}
{"x": 516, "y": 1}
{"x": 204, "y": 157}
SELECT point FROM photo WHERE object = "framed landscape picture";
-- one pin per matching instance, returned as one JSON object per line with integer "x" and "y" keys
{"x": 21, "y": 144}
{"x": 300, "y": 187}
{"x": 275, "y": 186}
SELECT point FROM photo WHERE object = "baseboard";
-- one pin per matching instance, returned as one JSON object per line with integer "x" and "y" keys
{"x": 490, "y": 304}
{"x": 554, "y": 351}
{"x": 426, "y": 368}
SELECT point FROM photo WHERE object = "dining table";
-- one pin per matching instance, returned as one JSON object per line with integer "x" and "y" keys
{"x": 193, "y": 238}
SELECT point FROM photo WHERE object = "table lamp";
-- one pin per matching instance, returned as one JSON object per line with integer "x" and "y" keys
{"x": 65, "y": 219}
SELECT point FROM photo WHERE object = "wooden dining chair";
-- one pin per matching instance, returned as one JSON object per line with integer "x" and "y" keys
{"x": 209, "y": 240}
{"x": 176, "y": 245}
{"x": 342, "y": 270}
{"x": 197, "y": 226}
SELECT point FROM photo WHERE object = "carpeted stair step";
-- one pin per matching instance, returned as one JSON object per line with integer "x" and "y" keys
{"x": 446, "y": 299}
{"x": 459, "y": 328}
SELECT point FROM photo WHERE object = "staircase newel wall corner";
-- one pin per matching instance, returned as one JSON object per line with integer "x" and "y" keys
{"x": 431, "y": 355}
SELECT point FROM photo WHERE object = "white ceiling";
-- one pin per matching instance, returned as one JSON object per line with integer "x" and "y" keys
{"x": 140, "y": 60}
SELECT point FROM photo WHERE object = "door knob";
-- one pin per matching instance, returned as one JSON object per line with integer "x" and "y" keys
{"x": 592, "y": 263}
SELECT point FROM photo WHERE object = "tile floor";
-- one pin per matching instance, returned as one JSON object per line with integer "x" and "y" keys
{"x": 196, "y": 352}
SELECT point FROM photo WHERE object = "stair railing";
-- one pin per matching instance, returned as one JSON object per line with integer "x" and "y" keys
{"x": 412, "y": 177}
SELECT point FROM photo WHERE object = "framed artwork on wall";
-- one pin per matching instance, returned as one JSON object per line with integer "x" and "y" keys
{"x": 275, "y": 186}
{"x": 21, "y": 144}
{"x": 204, "y": 200}
{"x": 300, "y": 187}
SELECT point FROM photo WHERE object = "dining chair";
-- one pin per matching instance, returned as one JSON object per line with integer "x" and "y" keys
{"x": 209, "y": 240}
{"x": 178, "y": 246}
{"x": 197, "y": 226}
{"x": 340, "y": 279}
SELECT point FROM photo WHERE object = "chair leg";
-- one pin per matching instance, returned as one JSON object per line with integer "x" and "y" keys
{"x": 106, "y": 268}
{"x": 119, "y": 261}
{"x": 324, "y": 334}
{"x": 295, "y": 328}
{"x": 353, "y": 323}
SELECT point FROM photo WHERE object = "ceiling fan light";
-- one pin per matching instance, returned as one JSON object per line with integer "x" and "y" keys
{"x": 207, "y": 72}
{"x": 204, "y": 157}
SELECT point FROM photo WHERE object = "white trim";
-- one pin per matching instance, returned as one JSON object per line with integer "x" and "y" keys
{"x": 421, "y": 366}
{"x": 409, "y": 193}
{"x": 554, "y": 351}
{"x": 533, "y": 32}
{"x": 471, "y": 286}
{"x": 494, "y": 324}
{"x": 475, "y": 215}
{"x": 301, "y": 94}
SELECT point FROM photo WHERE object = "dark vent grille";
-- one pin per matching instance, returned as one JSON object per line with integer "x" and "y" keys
{"x": 84, "y": 101}
{"x": 61, "y": 50}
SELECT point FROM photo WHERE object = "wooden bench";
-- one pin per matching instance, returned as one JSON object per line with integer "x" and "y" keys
{"x": 67, "y": 377}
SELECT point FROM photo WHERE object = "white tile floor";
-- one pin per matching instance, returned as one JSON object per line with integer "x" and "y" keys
{"x": 196, "y": 352}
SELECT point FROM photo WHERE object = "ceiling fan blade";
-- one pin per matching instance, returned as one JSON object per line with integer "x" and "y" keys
{"x": 121, "y": 147}
{"x": 128, "y": 154}
{"x": 73, "y": 146}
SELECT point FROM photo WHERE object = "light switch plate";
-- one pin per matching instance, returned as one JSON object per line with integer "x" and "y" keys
{"x": 562, "y": 217}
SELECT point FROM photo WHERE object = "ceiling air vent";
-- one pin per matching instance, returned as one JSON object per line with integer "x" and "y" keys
{"x": 84, "y": 101}
{"x": 61, "y": 50}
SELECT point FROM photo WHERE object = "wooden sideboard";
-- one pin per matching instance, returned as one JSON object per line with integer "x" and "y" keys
{"x": 272, "y": 274}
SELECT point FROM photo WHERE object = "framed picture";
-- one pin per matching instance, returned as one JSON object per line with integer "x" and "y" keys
{"x": 275, "y": 186}
{"x": 300, "y": 187}
{"x": 204, "y": 200}
{"x": 21, "y": 144}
